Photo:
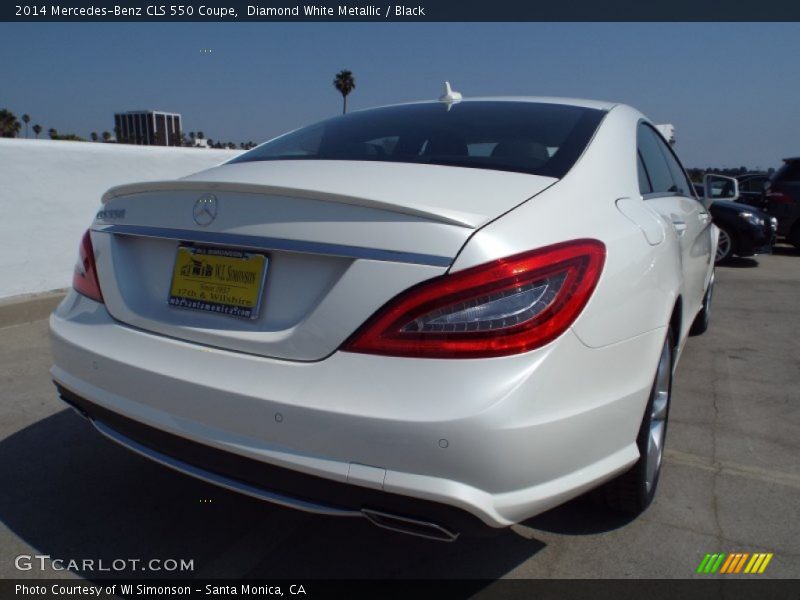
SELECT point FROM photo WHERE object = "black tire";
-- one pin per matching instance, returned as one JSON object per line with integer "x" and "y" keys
{"x": 634, "y": 490}
{"x": 725, "y": 250}
{"x": 700, "y": 324}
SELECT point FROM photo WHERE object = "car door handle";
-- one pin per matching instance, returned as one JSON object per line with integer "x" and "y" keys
{"x": 680, "y": 226}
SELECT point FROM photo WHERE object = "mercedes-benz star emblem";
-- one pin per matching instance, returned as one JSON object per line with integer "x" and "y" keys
{"x": 205, "y": 210}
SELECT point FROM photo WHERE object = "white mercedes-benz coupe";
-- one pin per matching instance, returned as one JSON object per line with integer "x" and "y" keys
{"x": 439, "y": 316}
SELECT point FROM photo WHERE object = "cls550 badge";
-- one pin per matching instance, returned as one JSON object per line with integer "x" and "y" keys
{"x": 110, "y": 214}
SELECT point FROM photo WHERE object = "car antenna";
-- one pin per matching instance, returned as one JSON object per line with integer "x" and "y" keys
{"x": 450, "y": 97}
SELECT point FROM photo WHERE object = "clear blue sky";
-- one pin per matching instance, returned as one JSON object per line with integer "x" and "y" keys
{"x": 732, "y": 90}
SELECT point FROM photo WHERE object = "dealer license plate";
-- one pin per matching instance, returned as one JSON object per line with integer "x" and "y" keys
{"x": 228, "y": 282}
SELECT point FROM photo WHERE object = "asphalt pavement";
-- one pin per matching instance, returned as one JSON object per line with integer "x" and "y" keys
{"x": 730, "y": 483}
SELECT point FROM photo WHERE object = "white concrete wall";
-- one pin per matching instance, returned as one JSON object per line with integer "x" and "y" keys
{"x": 50, "y": 192}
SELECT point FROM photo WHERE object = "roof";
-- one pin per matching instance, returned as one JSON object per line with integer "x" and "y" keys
{"x": 581, "y": 102}
{"x": 147, "y": 111}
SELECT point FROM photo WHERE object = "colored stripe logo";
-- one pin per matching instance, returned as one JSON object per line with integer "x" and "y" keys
{"x": 735, "y": 563}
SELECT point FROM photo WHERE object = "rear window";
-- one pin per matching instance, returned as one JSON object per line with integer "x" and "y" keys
{"x": 525, "y": 137}
{"x": 790, "y": 171}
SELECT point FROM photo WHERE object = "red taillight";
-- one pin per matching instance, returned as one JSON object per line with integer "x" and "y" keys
{"x": 85, "y": 278}
{"x": 779, "y": 198}
{"x": 507, "y": 306}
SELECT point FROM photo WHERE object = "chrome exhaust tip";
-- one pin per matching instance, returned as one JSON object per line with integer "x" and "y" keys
{"x": 416, "y": 527}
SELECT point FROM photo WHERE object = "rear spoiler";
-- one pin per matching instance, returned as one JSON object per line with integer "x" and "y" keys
{"x": 450, "y": 217}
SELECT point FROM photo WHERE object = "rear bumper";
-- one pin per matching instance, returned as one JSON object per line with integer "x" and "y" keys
{"x": 787, "y": 216}
{"x": 275, "y": 484}
{"x": 497, "y": 440}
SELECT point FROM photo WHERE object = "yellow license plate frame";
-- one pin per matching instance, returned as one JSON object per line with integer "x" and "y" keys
{"x": 218, "y": 280}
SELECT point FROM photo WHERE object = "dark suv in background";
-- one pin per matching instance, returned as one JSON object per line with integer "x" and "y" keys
{"x": 782, "y": 199}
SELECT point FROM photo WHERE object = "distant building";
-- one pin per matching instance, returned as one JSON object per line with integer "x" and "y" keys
{"x": 148, "y": 128}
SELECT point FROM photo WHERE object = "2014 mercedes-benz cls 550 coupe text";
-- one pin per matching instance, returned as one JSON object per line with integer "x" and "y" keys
{"x": 440, "y": 316}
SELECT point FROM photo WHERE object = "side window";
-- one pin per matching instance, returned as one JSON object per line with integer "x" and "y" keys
{"x": 654, "y": 162}
{"x": 682, "y": 184}
{"x": 644, "y": 179}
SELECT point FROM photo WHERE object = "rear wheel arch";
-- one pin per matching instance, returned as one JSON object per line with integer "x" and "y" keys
{"x": 675, "y": 323}
{"x": 634, "y": 490}
{"x": 674, "y": 329}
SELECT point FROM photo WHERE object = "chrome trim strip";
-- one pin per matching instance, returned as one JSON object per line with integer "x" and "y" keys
{"x": 213, "y": 478}
{"x": 268, "y": 243}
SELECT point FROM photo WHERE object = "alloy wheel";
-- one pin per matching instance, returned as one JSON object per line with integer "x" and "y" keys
{"x": 724, "y": 246}
{"x": 658, "y": 418}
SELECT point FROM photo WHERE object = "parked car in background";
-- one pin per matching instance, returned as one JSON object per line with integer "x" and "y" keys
{"x": 743, "y": 230}
{"x": 413, "y": 314}
{"x": 751, "y": 189}
{"x": 782, "y": 199}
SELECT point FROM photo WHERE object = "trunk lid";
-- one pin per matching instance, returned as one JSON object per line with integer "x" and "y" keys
{"x": 341, "y": 239}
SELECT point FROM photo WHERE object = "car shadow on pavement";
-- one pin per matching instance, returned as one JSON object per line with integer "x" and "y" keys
{"x": 71, "y": 494}
{"x": 581, "y": 516}
{"x": 737, "y": 262}
{"x": 785, "y": 250}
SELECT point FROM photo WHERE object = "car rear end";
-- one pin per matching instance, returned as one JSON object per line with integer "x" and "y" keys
{"x": 284, "y": 328}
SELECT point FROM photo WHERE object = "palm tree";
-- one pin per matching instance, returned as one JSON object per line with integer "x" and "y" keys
{"x": 37, "y": 129}
{"x": 9, "y": 125}
{"x": 200, "y": 135}
{"x": 94, "y": 136}
{"x": 106, "y": 136}
{"x": 345, "y": 83}
{"x": 53, "y": 133}
{"x": 26, "y": 118}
